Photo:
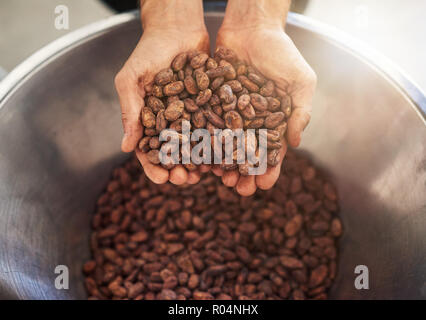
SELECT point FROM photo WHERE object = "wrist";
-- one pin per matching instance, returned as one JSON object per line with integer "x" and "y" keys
{"x": 242, "y": 14}
{"x": 173, "y": 15}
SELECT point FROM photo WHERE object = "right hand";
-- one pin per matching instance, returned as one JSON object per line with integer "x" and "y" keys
{"x": 155, "y": 51}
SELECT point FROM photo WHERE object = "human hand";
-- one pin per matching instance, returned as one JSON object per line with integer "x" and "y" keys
{"x": 253, "y": 29}
{"x": 166, "y": 34}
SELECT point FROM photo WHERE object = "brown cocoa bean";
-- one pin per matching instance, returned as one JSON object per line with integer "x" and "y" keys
{"x": 218, "y": 72}
{"x": 173, "y": 88}
{"x": 258, "y": 102}
{"x": 164, "y": 77}
{"x": 214, "y": 100}
{"x": 225, "y": 94}
{"x": 148, "y": 118}
{"x": 291, "y": 262}
{"x": 216, "y": 83}
{"x": 198, "y": 119}
{"x": 161, "y": 122}
{"x": 153, "y": 156}
{"x": 273, "y": 120}
{"x": 274, "y": 104}
{"x": 223, "y": 53}
{"x": 203, "y": 97}
{"x": 233, "y": 120}
{"x": 254, "y": 124}
{"x": 230, "y": 106}
{"x": 268, "y": 89}
{"x": 235, "y": 85}
{"x": 217, "y": 121}
{"x": 190, "y": 105}
{"x": 174, "y": 110}
{"x": 199, "y": 60}
{"x": 211, "y": 64}
{"x": 230, "y": 72}
{"x": 248, "y": 84}
{"x": 144, "y": 144}
{"x": 249, "y": 113}
{"x": 202, "y": 79}
{"x": 190, "y": 85}
{"x": 154, "y": 143}
{"x": 180, "y": 61}
{"x": 257, "y": 79}
{"x": 157, "y": 91}
{"x": 155, "y": 104}
{"x": 243, "y": 101}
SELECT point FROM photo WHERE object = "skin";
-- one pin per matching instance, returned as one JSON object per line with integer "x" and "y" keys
{"x": 249, "y": 27}
{"x": 167, "y": 33}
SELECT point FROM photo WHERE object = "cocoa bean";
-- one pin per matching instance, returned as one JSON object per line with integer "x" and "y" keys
{"x": 199, "y": 60}
{"x": 164, "y": 77}
{"x": 225, "y": 94}
{"x": 190, "y": 85}
{"x": 173, "y": 88}
{"x": 180, "y": 61}
{"x": 148, "y": 118}
{"x": 174, "y": 110}
{"x": 274, "y": 119}
{"x": 202, "y": 79}
{"x": 233, "y": 120}
{"x": 203, "y": 97}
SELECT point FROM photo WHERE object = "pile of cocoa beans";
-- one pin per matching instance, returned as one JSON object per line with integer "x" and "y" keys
{"x": 213, "y": 93}
{"x": 204, "y": 241}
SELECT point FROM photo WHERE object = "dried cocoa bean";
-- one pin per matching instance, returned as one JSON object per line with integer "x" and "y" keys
{"x": 148, "y": 118}
{"x": 180, "y": 61}
{"x": 173, "y": 88}
{"x": 164, "y": 77}
{"x": 190, "y": 85}
{"x": 199, "y": 60}
{"x": 174, "y": 110}
{"x": 202, "y": 79}
{"x": 274, "y": 119}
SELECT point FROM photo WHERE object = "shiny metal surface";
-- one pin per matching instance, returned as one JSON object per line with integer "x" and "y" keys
{"x": 60, "y": 133}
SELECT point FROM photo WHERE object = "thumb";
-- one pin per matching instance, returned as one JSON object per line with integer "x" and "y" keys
{"x": 298, "y": 121}
{"x": 131, "y": 100}
{"x": 301, "y": 95}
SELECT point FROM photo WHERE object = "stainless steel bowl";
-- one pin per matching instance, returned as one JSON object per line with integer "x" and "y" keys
{"x": 60, "y": 133}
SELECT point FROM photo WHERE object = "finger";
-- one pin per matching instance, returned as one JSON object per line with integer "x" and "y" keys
{"x": 204, "y": 168}
{"x": 267, "y": 180}
{"x": 301, "y": 94}
{"x": 131, "y": 100}
{"x": 194, "y": 177}
{"x": 230, "y": 178}
{"x": 217, "y": 170}
{"x": 246, "y": 186}
{"x": 155, "y": 173}
{"x": 297, "y": 123}
{"x": 178, "y": 175}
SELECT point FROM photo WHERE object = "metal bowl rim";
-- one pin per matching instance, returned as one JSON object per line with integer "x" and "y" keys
{"x": 392, "y": 72}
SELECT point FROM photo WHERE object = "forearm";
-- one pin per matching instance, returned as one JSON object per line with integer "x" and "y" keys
{"x": 252, "y": 13}
{"x": 159, "y": 14}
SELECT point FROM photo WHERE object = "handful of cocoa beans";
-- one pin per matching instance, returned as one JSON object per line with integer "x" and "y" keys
{"x": 214, "y": 93}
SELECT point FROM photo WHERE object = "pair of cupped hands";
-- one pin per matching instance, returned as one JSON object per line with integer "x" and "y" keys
{"x": 266, "y": 47}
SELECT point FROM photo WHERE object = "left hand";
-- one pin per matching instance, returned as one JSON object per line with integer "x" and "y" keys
{"x": 268, "y": 48}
